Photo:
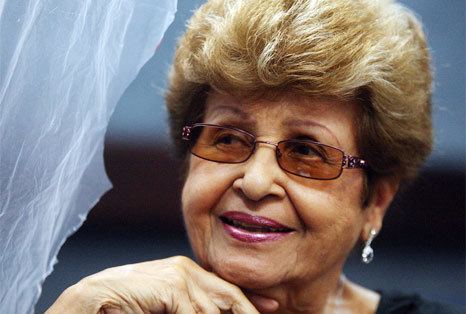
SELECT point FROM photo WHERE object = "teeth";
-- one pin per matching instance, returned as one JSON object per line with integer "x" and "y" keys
{"x": 253, "y": 228}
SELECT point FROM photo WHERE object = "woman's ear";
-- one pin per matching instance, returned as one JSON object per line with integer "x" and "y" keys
{"x": 383, "y": 194}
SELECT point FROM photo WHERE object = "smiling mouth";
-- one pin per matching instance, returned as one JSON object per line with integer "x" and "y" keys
{"x": 253, "y": 227}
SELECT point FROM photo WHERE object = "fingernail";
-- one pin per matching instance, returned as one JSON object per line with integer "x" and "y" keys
{"x": 263, "y": 304}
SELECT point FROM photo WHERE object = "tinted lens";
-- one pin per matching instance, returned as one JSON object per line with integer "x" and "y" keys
{"x": 310, "y": 160}
{"x": 221, "y": 144}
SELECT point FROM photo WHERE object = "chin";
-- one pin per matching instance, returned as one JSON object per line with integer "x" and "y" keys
{"x": 248, "y": 274}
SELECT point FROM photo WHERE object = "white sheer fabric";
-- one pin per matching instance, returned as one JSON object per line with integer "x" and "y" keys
{"x": 63, "y": 66}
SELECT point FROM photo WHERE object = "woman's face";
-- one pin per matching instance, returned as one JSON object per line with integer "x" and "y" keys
{"x": 325, "y": 215}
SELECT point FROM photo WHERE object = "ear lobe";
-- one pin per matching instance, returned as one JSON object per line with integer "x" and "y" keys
{"x": 380, "y": 200}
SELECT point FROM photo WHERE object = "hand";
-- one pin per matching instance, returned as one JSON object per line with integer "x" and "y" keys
{"x": 172, "y": 285}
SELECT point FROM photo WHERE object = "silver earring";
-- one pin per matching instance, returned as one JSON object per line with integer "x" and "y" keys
{"x": 367, "y": 252}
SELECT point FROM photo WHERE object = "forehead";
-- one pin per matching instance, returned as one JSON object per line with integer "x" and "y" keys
{"x": 332, "y": 119}
{"x": 285, "y": 104}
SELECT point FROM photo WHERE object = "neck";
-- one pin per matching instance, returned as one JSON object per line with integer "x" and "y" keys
{"x": 336, "y": 302}
{"x": 332, "y": 295}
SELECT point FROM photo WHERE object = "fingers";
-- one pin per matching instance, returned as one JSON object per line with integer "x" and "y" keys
{"x": 223, "y": 294}
{"x": 230, "y": 298}
{"x": 200, "y": 301}
{"x": 166, "y": 293}
{"x": 181, "y": 304}
{"x": 175, "y": 285}
{"x": 215, "y": 291}
{"x": 111, "y": 311}
{"x": 263, "y": 304}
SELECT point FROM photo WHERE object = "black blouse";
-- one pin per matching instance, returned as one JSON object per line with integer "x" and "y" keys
{"x": 398, "y": 303}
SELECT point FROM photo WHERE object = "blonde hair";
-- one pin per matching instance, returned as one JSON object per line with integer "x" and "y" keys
{"x": 372, "y": 51}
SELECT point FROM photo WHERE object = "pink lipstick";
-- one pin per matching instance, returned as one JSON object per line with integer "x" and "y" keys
{"x": 249, "y": 228}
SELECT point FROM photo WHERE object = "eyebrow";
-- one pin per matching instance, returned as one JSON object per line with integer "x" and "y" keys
{"x": 292, "y": 122}
{"x": 234, "y": 110}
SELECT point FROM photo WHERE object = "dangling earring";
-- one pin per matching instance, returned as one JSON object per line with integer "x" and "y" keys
{"x": 367, "y": 252}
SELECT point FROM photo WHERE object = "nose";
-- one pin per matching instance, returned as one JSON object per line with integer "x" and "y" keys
{"x": 261, "y": 176}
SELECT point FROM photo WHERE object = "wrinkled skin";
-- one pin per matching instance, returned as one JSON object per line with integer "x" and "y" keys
{"x": 297, "y": 273}
{"x": 327, "y": 215}
{"x": 173, "y": 285}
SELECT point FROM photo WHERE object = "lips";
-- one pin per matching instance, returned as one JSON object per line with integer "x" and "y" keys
{"x": 249, "y": 228}
{"x": 253, "y": 223}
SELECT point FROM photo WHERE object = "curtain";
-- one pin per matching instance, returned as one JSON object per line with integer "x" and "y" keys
{"x": 63, "y": 66}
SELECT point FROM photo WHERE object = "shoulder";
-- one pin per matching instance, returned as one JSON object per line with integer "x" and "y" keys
{"x": 399, "y": 303}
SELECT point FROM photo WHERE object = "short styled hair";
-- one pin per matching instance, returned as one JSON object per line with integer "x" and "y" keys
{"x": 371, "y": 51}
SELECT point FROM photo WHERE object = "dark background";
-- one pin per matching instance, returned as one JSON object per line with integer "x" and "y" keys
{"x": 420, "y": 249}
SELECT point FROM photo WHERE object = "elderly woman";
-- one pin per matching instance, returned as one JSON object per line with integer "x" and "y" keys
{"x": 297, "y": 121}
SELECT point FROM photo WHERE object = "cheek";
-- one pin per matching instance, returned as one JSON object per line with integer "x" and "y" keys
{"x": 204, "y": 186}
{"x": 331, "y": 210}
{"x": 332, "y": 218}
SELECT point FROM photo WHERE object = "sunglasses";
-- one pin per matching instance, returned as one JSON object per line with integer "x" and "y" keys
{"x": 304, "y": 158}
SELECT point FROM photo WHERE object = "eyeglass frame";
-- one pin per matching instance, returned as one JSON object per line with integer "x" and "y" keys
{"x": 348, "y": 161}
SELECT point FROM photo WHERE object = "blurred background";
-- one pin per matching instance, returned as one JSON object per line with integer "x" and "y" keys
{"x": 421, "y": 248}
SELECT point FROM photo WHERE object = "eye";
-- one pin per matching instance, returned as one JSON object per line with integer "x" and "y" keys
{"x": 302, "y": 149}
{"x": 226, "y": 139}
{"x": 306, "y": 151}
{"x": 231, "y": 139}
